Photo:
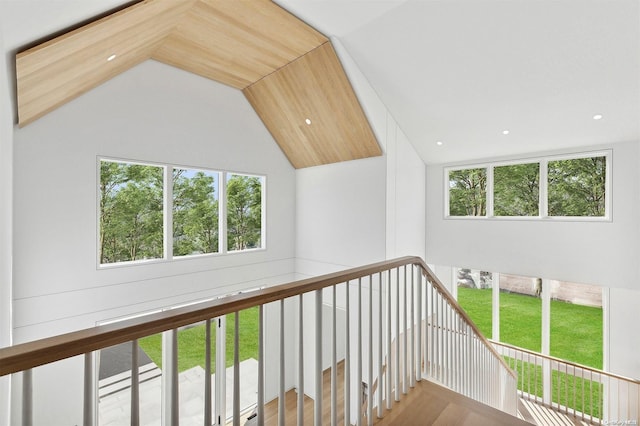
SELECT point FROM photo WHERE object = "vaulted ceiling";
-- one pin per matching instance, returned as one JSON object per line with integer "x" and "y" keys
{"x": 458, "y": 71}
{"x": 288, "y": 70}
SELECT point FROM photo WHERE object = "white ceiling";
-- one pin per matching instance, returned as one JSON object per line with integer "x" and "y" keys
{"x": 460, "y": 71}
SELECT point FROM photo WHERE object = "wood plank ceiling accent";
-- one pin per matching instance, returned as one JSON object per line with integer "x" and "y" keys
{"x": 53, "y": 73}
{"x": 237, "y": 42}
{"x": 314, "y": 87}
{"x": 286, "y": 69}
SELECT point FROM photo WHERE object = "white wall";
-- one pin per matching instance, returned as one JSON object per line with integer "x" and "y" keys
{"x": 358, "y": 212}
{"x": 6, "y": 167}
{"x": 624, "y": 344}
{"x": 156, "y": 113}
{"x": 601, "y": 253}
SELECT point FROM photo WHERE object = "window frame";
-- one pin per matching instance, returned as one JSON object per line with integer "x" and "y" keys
{"x": 167, "y": 221}
{"x": 543, "y": 206}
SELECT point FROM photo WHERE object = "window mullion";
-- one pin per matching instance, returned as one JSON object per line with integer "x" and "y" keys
{"x": 489, "y": 191}
{"x": 222, "y": 213}
{"x": 544, "y": 188}
{"x": 168, "y": 212}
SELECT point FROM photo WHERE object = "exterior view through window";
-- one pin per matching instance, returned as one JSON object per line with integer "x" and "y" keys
{"x": 575, "y": 187}
{"x": 468, "y": 192}
{"x": 573, "y": 331}
{"x": 244, "y": 212}
{"x": 195, "y": 212}
{"x": 130, "y": 212}
{"x": 132, "y": 220}
{"x": 516, "y": 190}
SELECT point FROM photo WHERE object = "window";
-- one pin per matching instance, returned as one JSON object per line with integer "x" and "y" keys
{"x": 468, "y": 192}
{"x": 516, "y": 190}
{"x": 244, "y": 212}
{"x": 475, "y": 296}
{"x": 577, "y": 187}
{"x": 133, "y": 215}
{"x": 571, "y": 187}
{"x": 130, "y": 212}
{"x": 195, "y": 212}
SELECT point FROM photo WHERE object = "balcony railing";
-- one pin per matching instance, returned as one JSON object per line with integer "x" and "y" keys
{"x": 399, "y": 325}
{"x": 578, "y": 391}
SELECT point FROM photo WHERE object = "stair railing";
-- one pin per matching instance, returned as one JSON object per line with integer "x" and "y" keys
{"x": 584, "y": 393}
{"x": 399, "y": 325}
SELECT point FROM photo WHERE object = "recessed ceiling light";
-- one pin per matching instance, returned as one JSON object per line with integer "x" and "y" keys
{"x": 597, "y": 117}
{"x": 308, "y": 121}
{"x": 111, "y": 58}
{"x": 505, "y": 132}
{"x": 439, "y": 143}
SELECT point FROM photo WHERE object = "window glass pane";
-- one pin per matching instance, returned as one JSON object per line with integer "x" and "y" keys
{"x": 468, "y": 192}
{"x": 244, "y": 212}
{"x": 516, "y": 189}
{"x": 521, "y": 311}
{"x": 474, "y": 295}
{"x": 195, "y": 212}
{"x": 576, "y": 323}
{"x": 131, "y": 212}
{"x": 577, "y": 187}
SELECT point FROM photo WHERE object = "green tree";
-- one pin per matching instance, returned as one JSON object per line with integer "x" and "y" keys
{"x": 131, "y": 207}
{"x": 577, "y": 187}
{"x": 195, "y": 213}
{"x": 244, "y": 212}
{"x": 516, "y": 190}
{"x": 468, "y": 192}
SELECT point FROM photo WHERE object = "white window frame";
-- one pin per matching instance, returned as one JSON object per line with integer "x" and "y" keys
{"x": 168, "y": 213}
{"x": 543, "y": 208}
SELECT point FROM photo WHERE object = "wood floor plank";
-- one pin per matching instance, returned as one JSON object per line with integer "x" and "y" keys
{"x": 426, "y": 404}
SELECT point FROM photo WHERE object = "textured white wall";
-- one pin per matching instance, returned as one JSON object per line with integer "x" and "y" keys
{"x": 156, "y": 113}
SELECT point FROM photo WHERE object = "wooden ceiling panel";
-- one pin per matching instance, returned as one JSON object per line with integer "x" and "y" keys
{"x": 287, "y": 69}
{"x": 237, "y": 42}
{"x": 314, "y": 87}
{"x": 61, "y": 69}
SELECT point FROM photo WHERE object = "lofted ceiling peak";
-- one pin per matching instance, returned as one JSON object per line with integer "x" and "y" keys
{"x": 286, "y": 68}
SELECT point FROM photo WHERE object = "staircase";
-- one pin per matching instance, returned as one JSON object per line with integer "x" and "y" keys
{"x": 403, "y": 336}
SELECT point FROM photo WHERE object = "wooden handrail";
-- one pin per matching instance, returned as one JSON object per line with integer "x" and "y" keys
{"x": 569, "y": 363}
{"x": 44, "y": 351}
{"x": 454, "y": 303}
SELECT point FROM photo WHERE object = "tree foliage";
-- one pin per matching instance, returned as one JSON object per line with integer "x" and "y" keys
{"x": 130, "y": 212}
{"x": 516, "y": 190}
{"x": 468, "y": 192}
{"x": 244, "y": 212}
{"x": 195, "y": 213}
{"x": 577, "y": 187}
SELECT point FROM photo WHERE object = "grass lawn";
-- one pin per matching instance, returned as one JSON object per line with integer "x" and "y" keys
{"x": 588, "y": 395}
{"x": 191, "y": 342}
{"x": 576, "y": 330}
{"x": 576, "y": 335}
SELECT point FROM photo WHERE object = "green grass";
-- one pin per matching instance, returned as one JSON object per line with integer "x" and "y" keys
{"x": 587, "y": 397}
{"x": 576, "y": 335}
{"x": 191, "y": 342}
{"x": 521, "y": 321}
{"x": 576, "y": 330}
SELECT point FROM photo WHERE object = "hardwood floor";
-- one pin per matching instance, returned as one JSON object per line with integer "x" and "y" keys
{"x": 426, "y": 404}
{"x": 432, "y": 404}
